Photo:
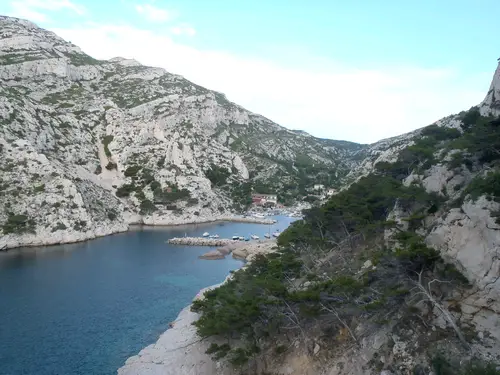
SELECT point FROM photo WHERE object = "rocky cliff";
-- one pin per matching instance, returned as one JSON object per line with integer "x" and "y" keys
{"x": 89, "y": 146}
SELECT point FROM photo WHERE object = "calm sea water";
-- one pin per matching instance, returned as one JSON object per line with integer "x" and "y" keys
{"x": 85, "y": 308}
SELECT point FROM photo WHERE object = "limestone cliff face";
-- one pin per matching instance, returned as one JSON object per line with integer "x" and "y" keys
{"x": 89, "y": 146}
{"x": 470, "y": 238}
{"x": 491, "y": 103}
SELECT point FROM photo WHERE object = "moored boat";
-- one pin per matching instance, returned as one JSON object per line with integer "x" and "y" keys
{"x": 206, "y": 234}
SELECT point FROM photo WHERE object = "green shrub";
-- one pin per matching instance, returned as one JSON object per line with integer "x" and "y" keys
{"x": 280, "y": 349}
{"x": 139, "y": 194}
{"x": 110, "y": 166}
{"x": 165, "y": 196}
{"x": 481, "y": 137}
{"x": 361, "y": 208}
{"x": 241, "y": 194}
{"x": 147, "y": 207}
{"x": 155, "y": 185}
{"x": 132, "y": 170}
{"x": 219, "y": 351}
{"x": 192, "y": 201}
{"x": 488, "y": 185}
{"x": 414, "y": 253}
{"x": 59, "y": 226}
{"x": 470, "y": 117}
{"x": 17, "y": 224}
{"x": 112, "y": 214}
{"x": 479, "y": 368}
{"x": 106, "y": 141}
{"x": 147, "y": 177}
{"x": 39, "y": 188}
{"x": 238, "y": 357}
{"x": 217, "y": 175}
{"x": 161, "y": 162}
{"x": 80, "y": 225}
{"x": 125, "y": 190}
{"x": 458, "y": 159}
{"x": 442, "y": 366}
{"x": 440, "y": 133}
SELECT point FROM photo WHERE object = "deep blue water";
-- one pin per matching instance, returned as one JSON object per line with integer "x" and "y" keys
{"x": 85, "y": 308}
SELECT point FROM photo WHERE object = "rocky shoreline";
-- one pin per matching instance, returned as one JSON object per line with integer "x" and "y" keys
{"x": 45, "y": 237}
{"x": 178, "y": 351}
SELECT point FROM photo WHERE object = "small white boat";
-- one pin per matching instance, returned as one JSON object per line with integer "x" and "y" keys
{"x": 216, "y": 236}
{"x": 206, "y": 234}
{"x": 276, "y": 234}
{"x": 241, "y": 238}
{"x": 236, "y": 238}
{"x": 267, "y": 235}
{"x": 254, "y": 237}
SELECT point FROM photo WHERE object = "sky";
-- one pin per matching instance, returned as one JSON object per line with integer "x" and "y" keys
{"x": 359, "y": 70}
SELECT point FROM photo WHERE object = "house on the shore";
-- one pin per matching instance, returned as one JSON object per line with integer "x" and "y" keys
{"x": 330, "y": 192}
{"x": 265, "y": 199}
{"x": 319, "y": 187}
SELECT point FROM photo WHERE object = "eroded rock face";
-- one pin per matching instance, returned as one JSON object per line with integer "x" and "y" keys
{"x": 115, "y": 142}
{"x": 470, "y": 238}
{"x": 491, "y": 103}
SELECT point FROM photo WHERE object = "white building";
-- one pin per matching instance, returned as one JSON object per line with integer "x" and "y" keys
{"x": 261, "y": 199}
{"x": 331, "y": 192}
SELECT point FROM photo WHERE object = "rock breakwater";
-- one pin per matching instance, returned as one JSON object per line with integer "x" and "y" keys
{"x": 200, "y": 241}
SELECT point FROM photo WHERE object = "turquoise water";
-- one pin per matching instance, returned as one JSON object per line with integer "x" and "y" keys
{"x": 85, "y": 308}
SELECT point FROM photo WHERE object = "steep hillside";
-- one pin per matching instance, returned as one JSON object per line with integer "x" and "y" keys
{"x": 89, "y": 146}
{"x": 399, "y": 273}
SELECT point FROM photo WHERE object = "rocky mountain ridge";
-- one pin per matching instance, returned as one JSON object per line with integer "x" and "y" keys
{"x": 90, "y": 146}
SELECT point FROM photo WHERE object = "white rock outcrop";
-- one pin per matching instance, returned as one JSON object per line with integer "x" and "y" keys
{"x": 470, "y": 238}
{"x": 491, "y": 103}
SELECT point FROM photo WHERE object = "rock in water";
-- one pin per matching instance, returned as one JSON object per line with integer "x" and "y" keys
{"x": 212, "y": 255}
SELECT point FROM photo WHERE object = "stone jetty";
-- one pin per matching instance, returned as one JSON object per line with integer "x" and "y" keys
{"x": 201, "y": 241}
{"x": 251, "y": 220}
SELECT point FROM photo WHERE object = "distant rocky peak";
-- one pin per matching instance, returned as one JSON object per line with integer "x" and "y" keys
{"x": 124, "y": 61}
{"x": 24, "y": 23}
{"x": 491, "y": 103}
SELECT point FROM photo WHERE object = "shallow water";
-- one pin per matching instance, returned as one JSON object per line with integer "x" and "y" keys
{"x": 85, "y": 308}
